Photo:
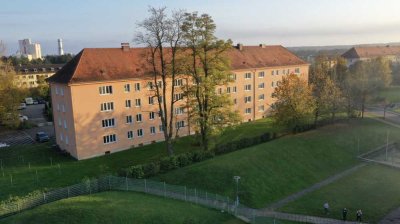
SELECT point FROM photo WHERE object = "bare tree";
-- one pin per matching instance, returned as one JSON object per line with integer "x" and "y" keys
{"x": 161, "y": 34}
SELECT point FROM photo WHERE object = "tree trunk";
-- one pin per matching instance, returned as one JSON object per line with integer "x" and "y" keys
{"x": 170, "y": 148}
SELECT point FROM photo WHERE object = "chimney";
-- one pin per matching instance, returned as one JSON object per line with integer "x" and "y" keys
{"x": 262, "y": 45}
{"x": 239, "y": 46}
{"x": 125, "y": 46}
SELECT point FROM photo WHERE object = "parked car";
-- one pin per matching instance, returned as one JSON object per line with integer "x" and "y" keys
{"x": 23, "y": 117}
{"x": 22, "y": 106}
{"x": 4, "y": 145}
{"x": 35, "y": 102}
{"x": 42, "y": 137}
{"x": 29, "y": 101}
{"x": 41, "y": 101}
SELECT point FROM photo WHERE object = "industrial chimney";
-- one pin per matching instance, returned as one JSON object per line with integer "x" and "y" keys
{"x": 60, "y": 47}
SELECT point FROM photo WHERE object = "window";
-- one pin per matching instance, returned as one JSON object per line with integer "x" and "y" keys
{"x": 139, "y": 117}
{"x": 160, "y": 99}
{"x": 127, "y": 88}
{"x": 228, "y": 89}
{"x": 59, "y": 121}
{"x": 277, "y": 72}
{"x": 247, "y": 75}
{"x": 180, "y": 124}
{"x": 105, "y": 90}
{"x": 234, "y": 89}
{"x": 62, "y": 91}
{"x": 178, "y": 82}
{"x": 109, "y": 106}
{"x": 219, "y": 90}
{"x": 61, "y": 137}
{"x": 63, "y": 108}
{"x": 247, "y": 99}
{"x": 261, "y": 75}
{"x": 137, "y": 87}
{"x": 65, "y": 124}
{"x": 152, "y": 115}
{"x": 129, "y": 119}
{"x": 159, "y": 84}
{"x": 261, "y": 86}
{"x": 140, "y": 132}
{"x": 297, "y": 70}
{"x": 179, "y": 110}
{"x": 178, "y": 96}
{"x": 284, "y": 72}
{"x": 151, "y": 100}
{"x": 130, "y": 134}
{"x": 150, "y": 85}
{"x": 127, "y": 103}
{"x": 261, "y": 108}
{"x": 108, "y": 123}
{"x": 261, "y": 97}
{"x": 109, "y": 138}
{"x": 235, "y": 101}
{"x": 272, "y": 84}
{"x": 247, "y": 111}
{"x": 138, "y": 102}
{"x": 58, "y": 107}
{"x": 233, "y": 76}
{"x": 56, "y": 89}
{"x": 66, "y": 139}
{"x": 278, "y": 83}
{"x": 160, "y": 128}
{"x": 247, "y": 87}
{"x": 152, "y": 130}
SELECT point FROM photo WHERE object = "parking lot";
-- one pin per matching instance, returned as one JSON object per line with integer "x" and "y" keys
{"x": 20, "y": 137}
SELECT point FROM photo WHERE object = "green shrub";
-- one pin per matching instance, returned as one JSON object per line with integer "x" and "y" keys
{"x": 151, "y": 169}
{"x": 185, "y": 159}
{"x": 169, "y": 163}
{"x": 136, "y": 171}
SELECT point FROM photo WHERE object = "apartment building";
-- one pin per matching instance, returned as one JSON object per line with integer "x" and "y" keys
{"x": 392, "y": 53}
{"x": 103, "y": 99}
{"x": 28, "y": 76}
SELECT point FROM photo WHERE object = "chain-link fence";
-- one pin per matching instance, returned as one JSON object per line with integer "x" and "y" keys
{"x": 162, "y": 189}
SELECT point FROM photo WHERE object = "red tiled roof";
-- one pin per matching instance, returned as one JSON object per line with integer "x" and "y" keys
{"x": 100, "y": 64}
{"x": 370, "y": 52}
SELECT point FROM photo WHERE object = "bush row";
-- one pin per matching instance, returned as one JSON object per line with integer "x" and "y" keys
{"x": 243, "y": 143}
{"x": 166, "y": 164}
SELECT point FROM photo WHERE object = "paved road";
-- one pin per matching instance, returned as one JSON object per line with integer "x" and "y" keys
{"x": 34, "y": 113}
{"x": 390, "y": 116}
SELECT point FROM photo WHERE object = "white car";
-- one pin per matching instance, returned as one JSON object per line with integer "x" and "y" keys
{"x": 3, "y": 145}
{"x": 23, "y": 117}
{"x": 22, "y": 106}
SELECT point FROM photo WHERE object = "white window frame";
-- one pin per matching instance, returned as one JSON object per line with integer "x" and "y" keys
{"x": 140, "y": 133}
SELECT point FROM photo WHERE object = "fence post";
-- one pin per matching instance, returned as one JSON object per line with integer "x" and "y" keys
{"x": 44, "y": 197}
{"x": 90, "y": 187}
{"x": 165, "y": 190}
{"x": 185, "y": 194}
{"x": 126, "y": 183}
{"x": 109, "y": 184}
{"x": 195, "y": 195}
{"x": 206, "y": 197}
{"x": 145, "y": 186}
{"x": 68, "y": 191}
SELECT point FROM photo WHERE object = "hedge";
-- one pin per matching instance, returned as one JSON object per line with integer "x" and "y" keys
{"x": 243, "y": 143}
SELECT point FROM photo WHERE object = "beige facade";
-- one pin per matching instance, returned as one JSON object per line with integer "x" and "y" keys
{"x": 29, "y": 76}
{"x": 93, "y": 118}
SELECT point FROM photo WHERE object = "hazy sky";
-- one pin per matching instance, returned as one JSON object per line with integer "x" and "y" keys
{"x": 106, "y": 23}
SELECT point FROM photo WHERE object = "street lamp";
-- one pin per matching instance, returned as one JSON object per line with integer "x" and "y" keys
{"x": 237, "y": 178}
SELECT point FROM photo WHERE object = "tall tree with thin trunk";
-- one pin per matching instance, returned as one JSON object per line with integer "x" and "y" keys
{"x": 161, "y": 33}
{"x": 209, "y": 69}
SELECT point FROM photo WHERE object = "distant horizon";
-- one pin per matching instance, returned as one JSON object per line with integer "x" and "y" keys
{"x": 290, "y": 23}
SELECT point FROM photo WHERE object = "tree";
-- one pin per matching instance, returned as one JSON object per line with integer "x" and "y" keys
{"x": 162, "y": 35}
{"x": 295, "y": 104}
{"x": 10, "y": 95}
{"x": 366, "y": 78}
{"x": 209, "y": 68}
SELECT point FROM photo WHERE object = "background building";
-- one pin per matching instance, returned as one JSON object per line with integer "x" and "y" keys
{"x": 28, "y": 76}
{"x": 29, "y": 49}
{"x": 103, "y": 99}
{"x": 392, "y": 53}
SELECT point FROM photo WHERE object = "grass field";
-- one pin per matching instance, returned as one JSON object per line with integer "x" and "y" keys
{"x": 276, "y": 169}
{"x": 373, "y": 189}
{"x": 392, "y": 94}
{"x": 122, "y": 207}
{"x": 31, "y": 167}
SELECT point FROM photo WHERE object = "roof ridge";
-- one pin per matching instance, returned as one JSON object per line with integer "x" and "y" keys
{"x": 77, "y": 64}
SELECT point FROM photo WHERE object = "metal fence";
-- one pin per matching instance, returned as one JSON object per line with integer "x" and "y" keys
{"x": 162, "y": 189}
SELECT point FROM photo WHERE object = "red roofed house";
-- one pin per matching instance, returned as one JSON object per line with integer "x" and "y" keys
{"x": 355, "y": 54}
{"x": 103, "y": 100}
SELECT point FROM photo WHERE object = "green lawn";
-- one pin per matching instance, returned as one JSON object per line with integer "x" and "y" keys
{"x": 373, "y": 189}
{"x": 392, "y": 94}
{"x": 276, "y": 169}
{"x": 122, "y": 207}
{"x": 55, "y": 170}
